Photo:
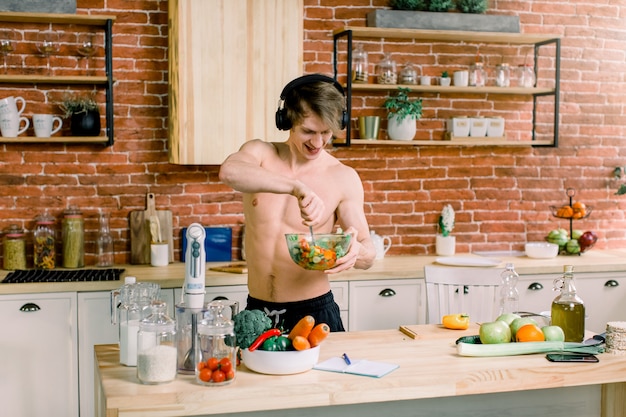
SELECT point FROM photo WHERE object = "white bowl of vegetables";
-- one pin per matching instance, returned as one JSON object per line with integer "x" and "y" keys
{"x": 318, "y": 252}
{"x": 280, "y": 363}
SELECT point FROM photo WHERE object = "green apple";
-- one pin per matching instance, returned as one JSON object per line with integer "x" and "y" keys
{"x": 576, "y": 233}
{"x": 508, "y": 317}
{"x": 518, "y": 323}
{"x": 553, "y": 333}
{"x": 494, "y": 332}
{"x": 572, "y": 246}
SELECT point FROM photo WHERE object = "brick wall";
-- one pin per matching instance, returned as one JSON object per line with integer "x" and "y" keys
{"x": 501, "y": 194}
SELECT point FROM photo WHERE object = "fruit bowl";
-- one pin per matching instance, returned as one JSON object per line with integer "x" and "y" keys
{"x": 568, "y": 212}
{"x": 541, "y": 250}
{"x": 319, "y": 255}
{"x": 280, "y": 363}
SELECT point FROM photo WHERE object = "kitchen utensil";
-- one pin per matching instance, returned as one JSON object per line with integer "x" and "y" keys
{"x": 155, "y": 226}
{"x": 140, "y": 233}
{"x": 311, "y": 232}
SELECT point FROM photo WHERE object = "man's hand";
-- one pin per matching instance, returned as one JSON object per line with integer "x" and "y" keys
{"x": 349, "y": 259}
{"x": 311, "y": 206}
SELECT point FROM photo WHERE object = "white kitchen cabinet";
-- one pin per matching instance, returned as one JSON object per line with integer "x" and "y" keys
{"x": 603, "y": 293}
{"x": 38, "y": 355}
{"x": 237, "y": 293}
{"x": 340, "y": 291}
{"x": 95, "y": 328}
{"x": 386, "y": 304}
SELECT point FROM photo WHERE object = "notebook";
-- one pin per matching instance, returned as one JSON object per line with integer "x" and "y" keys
{"x": 356, "y": 367}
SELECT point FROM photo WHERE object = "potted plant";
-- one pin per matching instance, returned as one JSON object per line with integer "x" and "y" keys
{"x": 402, "y": 115}
{"x": 444, "y": 80}
{"x": 445, "y": 244}
{"x": 84, "y": 114}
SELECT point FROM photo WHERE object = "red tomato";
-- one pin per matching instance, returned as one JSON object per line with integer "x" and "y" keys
{"x": 230, "y": 374}
{"x": 212, "y": 363}
{"x": 225, "y": 365}
{"x": 218, "y": 376}
{"x": 205, "y": 375}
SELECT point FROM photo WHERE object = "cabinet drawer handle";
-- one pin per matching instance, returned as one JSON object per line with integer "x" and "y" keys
{"x": 387, "y": 292}
{"x": 611, "y": 283}
{"x": 220, "y": 297}
{"x": 29, "y": 307}
{"x": 535, "y": 286}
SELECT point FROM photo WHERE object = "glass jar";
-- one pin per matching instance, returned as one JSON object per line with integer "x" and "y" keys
{"x": 104, "y": 242}
{"x": 503, "y": 75}
{"x": 73, "y": 235}
{"x": 525, "y": 76}
{"x": 215, "y": 344}
{"x": 477, "y": 75}
{"x": 14, "y": 248}
{"x": 408, "y": 75}
{"x": 359, "y": 65}
{"x": 568, "y": 309}
{"x": 386, "y": 71}
{"x": 44, "y": 242}
{"x": 156, "y": 346}
{"x": 509, "y": 296}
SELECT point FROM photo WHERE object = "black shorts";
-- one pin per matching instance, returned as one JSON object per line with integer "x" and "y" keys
{"x": 323, "y": 308}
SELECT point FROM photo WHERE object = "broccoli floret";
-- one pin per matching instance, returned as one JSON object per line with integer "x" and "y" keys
{"x": 249, "y": 324}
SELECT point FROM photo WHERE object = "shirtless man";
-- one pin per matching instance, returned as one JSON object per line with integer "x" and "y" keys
{"x": 290, "y": 185}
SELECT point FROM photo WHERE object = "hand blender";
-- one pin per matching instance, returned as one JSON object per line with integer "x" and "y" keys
{"x": 193, "y": 288}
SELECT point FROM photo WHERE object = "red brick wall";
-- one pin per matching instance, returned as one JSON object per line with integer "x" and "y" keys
{"x": 501, "y": 194}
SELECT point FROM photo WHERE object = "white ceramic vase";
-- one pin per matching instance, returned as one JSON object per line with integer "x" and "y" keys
{"x": 445, "y": 245}
{"x": 403, "y": 130}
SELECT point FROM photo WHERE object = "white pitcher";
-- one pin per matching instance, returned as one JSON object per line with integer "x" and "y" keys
{"x": 381, "y": 244}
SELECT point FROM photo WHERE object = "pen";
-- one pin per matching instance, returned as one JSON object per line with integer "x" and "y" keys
{"x": 346, "y": 358}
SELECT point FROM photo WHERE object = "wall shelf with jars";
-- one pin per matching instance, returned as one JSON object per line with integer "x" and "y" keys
{"x": 360, "y": 81}
{"x": 84, "y": 45}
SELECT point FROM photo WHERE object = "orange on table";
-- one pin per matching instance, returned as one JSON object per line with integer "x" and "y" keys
{"x": 530, "y": 333}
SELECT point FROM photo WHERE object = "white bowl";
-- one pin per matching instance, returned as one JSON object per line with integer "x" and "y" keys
{"x": 280, "y": 363}
{"x": 541, "y": 250}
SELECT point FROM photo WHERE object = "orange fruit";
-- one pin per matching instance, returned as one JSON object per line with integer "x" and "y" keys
{"x": 578, "y": 205}
{"x": 529, "y": 333}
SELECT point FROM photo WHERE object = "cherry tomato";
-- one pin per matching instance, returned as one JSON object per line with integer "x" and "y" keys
{"x": 212, "y": 363}
{"x": 218, "y": 376}
{"x": 225, "y": 365}
{"x": 201, "y": 365}
{"x": 205, "y": 375}
{"x": 230, "y": 374}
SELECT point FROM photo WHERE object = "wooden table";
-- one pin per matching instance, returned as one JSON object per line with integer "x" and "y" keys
{"x": 431, "y": 380}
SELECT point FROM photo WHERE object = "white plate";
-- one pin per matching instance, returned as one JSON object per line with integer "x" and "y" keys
{"x": 466, "y": 261}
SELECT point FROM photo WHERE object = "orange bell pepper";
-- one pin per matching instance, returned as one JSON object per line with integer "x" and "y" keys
{"x": 456, "y": 321}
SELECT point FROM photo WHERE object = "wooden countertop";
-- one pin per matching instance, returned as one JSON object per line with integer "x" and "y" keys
{"x": 391, "y": 267}
{"x": 429, "y": 368}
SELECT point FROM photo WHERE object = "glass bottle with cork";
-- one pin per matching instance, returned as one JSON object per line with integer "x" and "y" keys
{"x": 509, "y": 296}
{"x": 104, "y": 242}
{"x": 568, "y": 309}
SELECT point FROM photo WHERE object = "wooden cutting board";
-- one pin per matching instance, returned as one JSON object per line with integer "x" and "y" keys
{"x": 140, "y": 236}
{"x": 232, "y": 268}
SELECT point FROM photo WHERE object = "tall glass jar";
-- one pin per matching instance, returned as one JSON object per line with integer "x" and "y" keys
{"x": 386, "y": 71}
{"x": 73, "y": 235}
{"x": 525, "y": 76}
{"x": 568, "y": 309}
{"x": 156, "y": 346}
{"x": 477, "y": 75}
{"x": 104, "y": 242}
{"x": 216, "y": 350}
{"x": 360, "y": 71}
{"x": 408, "y": 75}
{"x": 14, "y": 248}
{"x": 503, "y": 75}
{"x": 44, "y": 242}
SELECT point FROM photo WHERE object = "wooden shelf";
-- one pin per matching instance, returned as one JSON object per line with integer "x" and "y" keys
{"x": 57, "y": 139}
{"x": 447, "y": 35}
{"x": 452, "y": 89}
{"x": 75, "y": 19}
{"x": 486, "y": 141}
{"x": 54, "y": 79}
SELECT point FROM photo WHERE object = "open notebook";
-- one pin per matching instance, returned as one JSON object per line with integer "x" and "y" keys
{"x": 356, "y": 367}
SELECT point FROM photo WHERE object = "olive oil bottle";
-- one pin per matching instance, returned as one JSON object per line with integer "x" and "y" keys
{"x": 568, "y": 310}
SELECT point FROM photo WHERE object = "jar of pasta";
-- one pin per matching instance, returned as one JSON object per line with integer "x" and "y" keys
{"x": 73, "y": 235}
{"x": 44, "y": 250}
{"x": 14, "y": 248}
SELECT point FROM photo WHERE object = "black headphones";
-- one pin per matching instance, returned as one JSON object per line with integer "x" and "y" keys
{"x": 283, "y": 122}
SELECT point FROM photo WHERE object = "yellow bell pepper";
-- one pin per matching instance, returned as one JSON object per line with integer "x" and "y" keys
{"x": 456, "y": 321}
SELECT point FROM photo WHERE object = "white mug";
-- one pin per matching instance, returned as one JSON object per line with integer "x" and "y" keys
{"x": 10, "y": 125}
{"x": 43, "y": 124}
{"x": 425, "y": 80}
{"x": 9, "y": 105}
{"x": 461, "y": 78}
{"x": 159, "y": 254}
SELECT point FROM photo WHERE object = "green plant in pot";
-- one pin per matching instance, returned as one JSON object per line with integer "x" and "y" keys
{"x": 444, "y": 80}
{"x": 402, "y": 115}
{"x": 83, "y": 113}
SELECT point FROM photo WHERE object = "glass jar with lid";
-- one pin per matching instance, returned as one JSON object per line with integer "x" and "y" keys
{"x": 359, "y": 65}
{"x": 503, "y": 75}
{"x": 156, "y": 346}
{"x": 477, "y": 75}
{"x": 73, "y": 235}
{"x": 525, "y": 76}
{"x": 386, "y": 71}
{"x": 44, "y": 241}
{"x": 14, "y": 248}
{"x": 408, "y": 75}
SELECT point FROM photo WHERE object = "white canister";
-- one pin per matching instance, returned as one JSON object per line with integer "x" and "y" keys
{"x": 459, "y": 126}
{"x": 461, "y": 78}
{"x": 495, "y": 127}
{"x": 478, "y": 127}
